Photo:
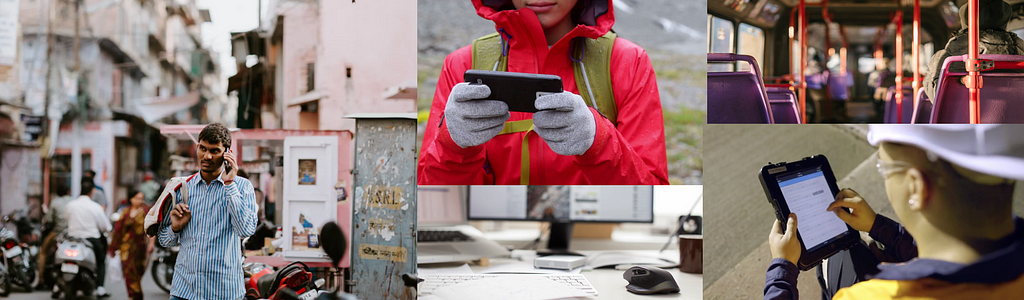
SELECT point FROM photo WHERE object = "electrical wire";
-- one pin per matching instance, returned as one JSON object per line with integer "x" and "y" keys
{"x": 679, "y": 226}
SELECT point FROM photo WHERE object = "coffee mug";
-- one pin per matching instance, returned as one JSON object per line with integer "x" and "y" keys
{"x": 691, "y": 253}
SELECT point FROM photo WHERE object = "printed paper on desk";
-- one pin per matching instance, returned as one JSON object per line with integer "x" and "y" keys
{"x": 463, "y": 269}
{"x": 510, "y": 288}
{"x": 525, "y": 268}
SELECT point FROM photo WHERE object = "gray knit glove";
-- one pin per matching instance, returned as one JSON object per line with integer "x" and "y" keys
{"x": 472, "y": 121}
{"x": 565, "y": 123}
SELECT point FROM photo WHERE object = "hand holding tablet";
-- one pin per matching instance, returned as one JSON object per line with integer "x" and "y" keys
{"x": 785, "y": 245}
{"x": 807, "y": 189}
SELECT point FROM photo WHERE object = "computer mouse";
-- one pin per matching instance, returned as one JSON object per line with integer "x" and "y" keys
{"x": 649, "y": 280}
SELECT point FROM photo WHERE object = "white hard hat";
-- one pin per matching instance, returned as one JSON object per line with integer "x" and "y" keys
{"x": 992, "y": 149}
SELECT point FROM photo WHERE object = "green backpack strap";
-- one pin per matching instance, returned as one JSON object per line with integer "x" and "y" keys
{"x": 594, "y": 76}
{"x": 487, "y": 52}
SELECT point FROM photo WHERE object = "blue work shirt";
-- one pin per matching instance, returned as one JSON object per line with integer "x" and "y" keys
{"x": 209, "y": 264}
{"x": 998, "y": 273}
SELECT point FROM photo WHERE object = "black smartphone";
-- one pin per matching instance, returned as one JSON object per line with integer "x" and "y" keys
{"x": 227, "y": 165}
{"x": 518, "y": 90}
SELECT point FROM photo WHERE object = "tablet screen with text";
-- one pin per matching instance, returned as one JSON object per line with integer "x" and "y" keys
{"x": 808, "y": 195}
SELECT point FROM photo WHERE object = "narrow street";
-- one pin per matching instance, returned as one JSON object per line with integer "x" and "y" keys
{"x": 116, "y": 289}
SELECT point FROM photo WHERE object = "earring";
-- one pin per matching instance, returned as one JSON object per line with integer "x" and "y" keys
{"x": 911, "y": 202}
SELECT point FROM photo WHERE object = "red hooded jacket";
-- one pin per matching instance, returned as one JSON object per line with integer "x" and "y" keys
{"x": 632, "y": 152}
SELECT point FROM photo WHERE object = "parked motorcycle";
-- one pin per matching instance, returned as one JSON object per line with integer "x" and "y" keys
{"x": 162, "y": 267}
{"x": 77, "y": 267}
{"x": 18, "y": 259}
{"x": 294, "y": 281}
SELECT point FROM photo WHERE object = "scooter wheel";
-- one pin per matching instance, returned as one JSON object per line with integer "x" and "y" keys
{"x": 5, "y": 286}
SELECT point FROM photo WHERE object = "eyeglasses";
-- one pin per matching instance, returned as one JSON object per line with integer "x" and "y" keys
{"x": 886, "y": 168}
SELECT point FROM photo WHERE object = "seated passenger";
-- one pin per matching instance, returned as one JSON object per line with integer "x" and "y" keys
{"x": 993, "y": 39}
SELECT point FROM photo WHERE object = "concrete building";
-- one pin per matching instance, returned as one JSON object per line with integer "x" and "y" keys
{"x": 140, "y": 64}
{"x": 322, "y": 60}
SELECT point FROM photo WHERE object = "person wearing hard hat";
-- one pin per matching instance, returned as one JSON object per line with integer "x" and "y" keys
{"x": 952, "y": 188}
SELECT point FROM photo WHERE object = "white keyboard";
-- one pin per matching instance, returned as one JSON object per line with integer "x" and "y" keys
{"x": 433, "y": 282}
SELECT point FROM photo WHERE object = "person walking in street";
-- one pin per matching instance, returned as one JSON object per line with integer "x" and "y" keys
{"x": 56, "y": 222}
{"x": 224, "y": 208}
{"x": 149, "y": 188}
{"x": 87, "y": 220}
{"x": 129, "y": 237}
{"x": 98, "y": 195}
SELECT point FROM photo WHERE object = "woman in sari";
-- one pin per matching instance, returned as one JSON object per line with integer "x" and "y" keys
{"x": 129, "y": 237}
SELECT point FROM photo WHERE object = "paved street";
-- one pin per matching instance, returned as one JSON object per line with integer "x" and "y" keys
{"x": 116, "y": 289}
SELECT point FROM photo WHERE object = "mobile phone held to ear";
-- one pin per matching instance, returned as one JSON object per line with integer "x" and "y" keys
{"x": 227, "y": 165}
{"x": 518, "y": 90}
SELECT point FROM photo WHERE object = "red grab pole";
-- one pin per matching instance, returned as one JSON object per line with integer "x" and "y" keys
{"x": 792, "y": 34}
{"x": 974, "y": 79}
{"x": 899, "y": 66}
{"x": 917, "y": 44}
{"x": 803, "y": 61}
{"x": 842, "y": 51}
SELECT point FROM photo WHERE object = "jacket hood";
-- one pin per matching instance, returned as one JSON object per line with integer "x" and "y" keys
{"x": 595, "y": 18}
{"x": 993, "y": 14}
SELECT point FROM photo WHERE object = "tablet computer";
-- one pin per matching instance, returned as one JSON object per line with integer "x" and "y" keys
{"x": 806, "y": 188}
{"x": 518, "y": 90}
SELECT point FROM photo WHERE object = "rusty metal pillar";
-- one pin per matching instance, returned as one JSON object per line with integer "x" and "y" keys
{"x": 384, "y": 212}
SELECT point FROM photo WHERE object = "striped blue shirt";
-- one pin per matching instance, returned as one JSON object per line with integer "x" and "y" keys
{"x": 209, "y": 265}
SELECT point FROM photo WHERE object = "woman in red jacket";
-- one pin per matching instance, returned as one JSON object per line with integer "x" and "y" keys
{"x": 569, "y": 142}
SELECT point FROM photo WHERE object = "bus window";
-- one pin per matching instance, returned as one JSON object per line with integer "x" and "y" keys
{"x": 866, "y": 64}
{"x": 1019, "y": 32}
{"x": 721, "y": 42}
{"x": 751, "y": 43}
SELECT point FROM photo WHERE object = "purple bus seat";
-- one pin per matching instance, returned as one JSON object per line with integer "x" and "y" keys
{"x": 922, "y": 108}
{"x": 737, "y": 97}
{"x": 783, "y": 104}
{"x": 1002, "y": 93}
{"x": 891, "y": 108}
{"x": 838, "y": 84}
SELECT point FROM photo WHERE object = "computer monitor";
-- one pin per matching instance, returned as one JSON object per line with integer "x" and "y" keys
{"x": 561, "y": 205}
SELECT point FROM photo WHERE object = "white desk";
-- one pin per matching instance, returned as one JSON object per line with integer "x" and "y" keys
{"x": 609, "y": 282}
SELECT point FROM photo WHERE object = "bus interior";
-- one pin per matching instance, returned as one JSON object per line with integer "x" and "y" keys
{"x": 849, "y": 63}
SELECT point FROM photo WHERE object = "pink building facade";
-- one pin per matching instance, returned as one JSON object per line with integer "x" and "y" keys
{"x": 363, "y": 59}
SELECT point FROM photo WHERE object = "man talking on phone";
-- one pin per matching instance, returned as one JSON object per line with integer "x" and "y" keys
{"x": 224, "y": 210}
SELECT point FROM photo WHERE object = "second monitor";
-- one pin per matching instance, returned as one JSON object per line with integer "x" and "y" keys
{"x": 561, "y": 205}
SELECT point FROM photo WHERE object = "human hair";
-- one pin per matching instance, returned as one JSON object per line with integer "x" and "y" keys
{"x": 132, "y": 191}
{"x": 216, "y": 134}
{"x": 87, "y": 186}
{"x": 62, "y": 189}
{"x": 89, "y": 174}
